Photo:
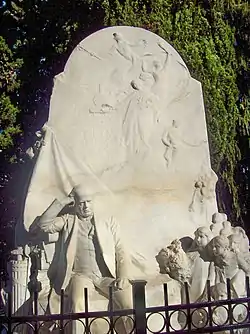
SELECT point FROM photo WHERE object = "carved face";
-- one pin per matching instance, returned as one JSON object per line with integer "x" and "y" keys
{"x": 239, "y": 231}
{"x": 219, "y": 249}
{"x": 226, "y": 225}
{"x": 85, "y": 208}
{"x": 219, "y": 218}
{"x": 236, "y": 243}
{"x": 201, "y": 239}
{"x": 235, "y": 246}
{"x": 117, "y": 37}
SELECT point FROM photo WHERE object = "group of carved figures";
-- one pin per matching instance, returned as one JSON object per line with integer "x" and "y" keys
{"x": 91, "y": 253}
{"x": 217, "y": 253}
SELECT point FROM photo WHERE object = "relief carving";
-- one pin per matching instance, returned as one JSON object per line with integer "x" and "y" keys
{"x": 204, "y": 191}
{"x": 172, "y": 139}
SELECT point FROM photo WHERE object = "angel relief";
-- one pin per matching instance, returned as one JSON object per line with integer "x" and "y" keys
{"x": 133, "y": 91}
{"x": 116, "y": 86}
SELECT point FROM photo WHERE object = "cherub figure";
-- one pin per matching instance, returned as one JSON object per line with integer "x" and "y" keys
{"x": 124, "y": 48}
{"x": 227, "y": 229}
{"x": 204, "y": 189}
{"x": 203, "y": 236}
{"x": 228, "y": 264}
{"x": 239, "y": 231}
{"x": 217, "y": 220}
{"x": 171, "y": 139}
{"x": 224, "y": 258}
{"x": 236, "y": 244}
{"x": 239, "y": 248}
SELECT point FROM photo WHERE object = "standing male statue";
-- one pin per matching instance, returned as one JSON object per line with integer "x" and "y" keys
{"x": 89, "y": 253}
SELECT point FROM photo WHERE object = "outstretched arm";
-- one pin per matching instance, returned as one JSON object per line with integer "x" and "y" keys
{"x": 194, "y": 144}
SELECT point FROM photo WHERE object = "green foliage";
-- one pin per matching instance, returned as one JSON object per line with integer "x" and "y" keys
{"x": 42, "y": 34}
{"x": 8, "y": 84}
{"x": 212, "y": 36}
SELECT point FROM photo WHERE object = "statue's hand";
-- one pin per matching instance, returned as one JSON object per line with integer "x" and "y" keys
{"x": 122, "y": 283}
{"x": 69, "y": 200}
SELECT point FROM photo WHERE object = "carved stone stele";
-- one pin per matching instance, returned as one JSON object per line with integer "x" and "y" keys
{"x": 126, "y": 118}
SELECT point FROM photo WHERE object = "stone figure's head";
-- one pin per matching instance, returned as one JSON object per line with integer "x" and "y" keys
{"x": 236, "y": 244}
{"x": 175, "y": 123}
{"x": 219, "y": 218}
{"x": 203, "y": 235}
{"x": 199, "y": 184}
{"x": 219, "y": 291}
{"x": 240, "y": 231}
{"x": 83, "y": 200}
{"x": 227, "y": 229}
{"x": 117, "y": 36}
{"x": 226, "y": 224}
{"x": 220, "y": 246}
{"x": 215, "y": 229}
{"x": 173, "y": 260}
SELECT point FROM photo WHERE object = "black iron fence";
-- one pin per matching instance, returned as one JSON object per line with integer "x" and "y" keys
{"x": 229, "y": 315}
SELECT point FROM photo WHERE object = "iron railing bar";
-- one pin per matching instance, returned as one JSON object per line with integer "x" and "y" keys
{"x": 210, "y": 312}
{"x": 248, "y": 295}
{"x": 36, "y": 310}
{"x": 9, "y": 317}
{"x": 230, "y": 310}
{"x": 70, "y": 316}
{"x": 167, "y": 318}
{"x": 177, "y": 307}
{"x": 214, "y": 329}
{"x": 111, "y": 307}
{"x": 189, "y": 316}
{"x": 61, "y": 321}
{"x": 86, "y": 308}
{"x": 139, "y": 303}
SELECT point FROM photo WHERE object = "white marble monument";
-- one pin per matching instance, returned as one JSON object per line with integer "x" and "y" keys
{"x": 127, "y": 121}
{"x": 127, "y": 115}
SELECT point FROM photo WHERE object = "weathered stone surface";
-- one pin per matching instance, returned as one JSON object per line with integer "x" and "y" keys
{"x": 126, "y": 121}
{"x": 126, "y": 114}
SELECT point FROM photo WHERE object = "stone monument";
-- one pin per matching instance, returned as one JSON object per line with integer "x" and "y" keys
{"x": 126, "y": 120}
{"x": 127, "y": 115}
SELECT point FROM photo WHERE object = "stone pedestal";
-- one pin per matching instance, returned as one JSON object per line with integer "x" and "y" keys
{"x": 18, "y": 269}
